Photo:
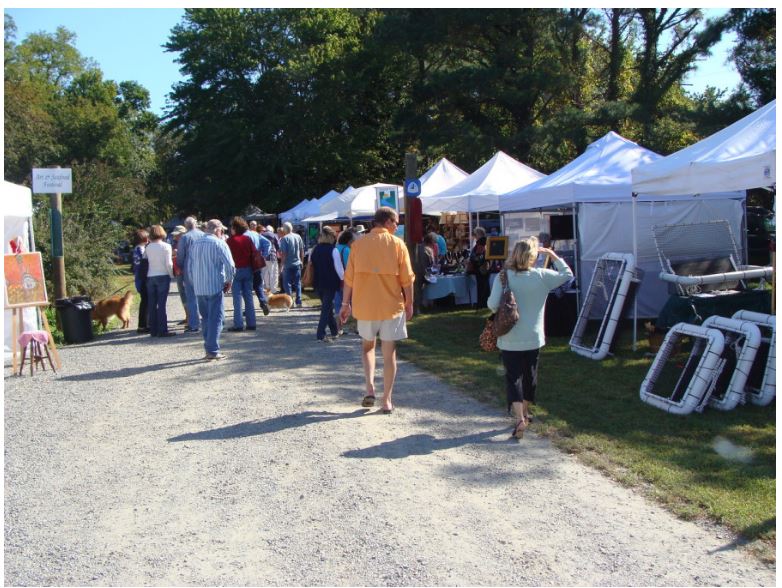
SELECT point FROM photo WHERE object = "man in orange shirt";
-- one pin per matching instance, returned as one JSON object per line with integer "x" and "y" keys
{"x": 379, "y": 286}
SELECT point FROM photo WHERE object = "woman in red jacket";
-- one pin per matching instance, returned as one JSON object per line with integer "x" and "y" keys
{"x": 241, "y": 247}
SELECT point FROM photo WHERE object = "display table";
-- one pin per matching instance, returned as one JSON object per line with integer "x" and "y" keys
{"x": 462, "y": 286}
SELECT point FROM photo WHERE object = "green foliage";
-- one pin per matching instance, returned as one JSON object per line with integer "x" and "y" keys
{"x": 60, "y": 111}
{"x": 755, "y": 53}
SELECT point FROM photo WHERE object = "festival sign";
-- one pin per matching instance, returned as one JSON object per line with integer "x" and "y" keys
{"x": 52, "y": 180}
{"x": 387, "y": 197}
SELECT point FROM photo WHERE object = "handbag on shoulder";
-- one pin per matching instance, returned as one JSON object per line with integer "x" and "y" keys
{"x": 258, "y": 262}
{"x": 508, "y": 312}
{"x": 308, "y": 278}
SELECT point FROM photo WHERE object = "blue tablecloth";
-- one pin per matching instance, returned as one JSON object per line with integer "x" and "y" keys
{"x": 462, "y": 287}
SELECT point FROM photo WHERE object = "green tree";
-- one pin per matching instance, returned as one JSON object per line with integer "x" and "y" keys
{"x": 755, "y": 52}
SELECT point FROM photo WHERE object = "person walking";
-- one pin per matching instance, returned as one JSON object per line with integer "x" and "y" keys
{"x": 327, "y": 277}
{"x": 161, "y": 271}
{"x": 378, "y": 291}
{"x": 346, "y": 238}
{"x": 292, "y": 249}
{"x": 140, "y": 271}
{"x": 479, "y": 267}
{"x": 211, "y": 269}
{"x": 520, "y": 347}
{"x": 186, "y": 241}
{"x": 176, "y": 234}
{"x": 241, "y": 247}
{"x": 263, "y": 246}
{"x": 271, "y": 273}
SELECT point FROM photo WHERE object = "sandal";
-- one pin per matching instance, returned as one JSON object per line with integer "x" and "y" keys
{"x": 518, "y": 430}
{"x": 368, "y": 401}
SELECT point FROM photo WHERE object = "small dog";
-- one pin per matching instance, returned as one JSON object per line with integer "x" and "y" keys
{"x": 108, "y": 307}
{"x": 280, "y": 301}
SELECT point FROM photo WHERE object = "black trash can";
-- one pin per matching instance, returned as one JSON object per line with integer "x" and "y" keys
{"x": 76, "y": 318}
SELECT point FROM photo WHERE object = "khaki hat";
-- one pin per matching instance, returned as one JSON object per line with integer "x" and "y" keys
{"x": 214, "y": 224}
{"x": 178, "y": 230}
{"x": 359, "y": 229}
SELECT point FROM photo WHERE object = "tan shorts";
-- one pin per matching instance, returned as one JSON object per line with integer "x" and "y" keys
{"x": 393, "y": 329}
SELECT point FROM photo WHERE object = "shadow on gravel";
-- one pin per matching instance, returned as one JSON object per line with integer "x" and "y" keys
{"x": 421, "y": 445}
{"x": 129, "y": 372}
{"x": 280, "y": 423}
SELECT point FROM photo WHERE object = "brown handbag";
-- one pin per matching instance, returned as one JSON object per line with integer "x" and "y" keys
{"x": 258, "y": 262}
{"x": 508, "y": 312}
{"x": 487, "y": 338}
{"x": 307, "y": 279}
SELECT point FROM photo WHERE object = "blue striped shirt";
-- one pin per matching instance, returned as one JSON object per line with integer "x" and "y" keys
{"x": 209, "y": 265}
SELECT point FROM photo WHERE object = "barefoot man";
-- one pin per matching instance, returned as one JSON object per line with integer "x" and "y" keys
{"x": 378, "y": 291}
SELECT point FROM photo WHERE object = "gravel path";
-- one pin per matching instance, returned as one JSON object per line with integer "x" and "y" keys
{"x": 141, "y": 464}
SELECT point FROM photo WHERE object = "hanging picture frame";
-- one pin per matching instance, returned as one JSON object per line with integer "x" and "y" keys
{"x": 497, "y": 248}
{"x": 387, "y": 196}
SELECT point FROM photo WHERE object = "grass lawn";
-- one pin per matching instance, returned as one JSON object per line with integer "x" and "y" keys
{"x": 592, "y": 409}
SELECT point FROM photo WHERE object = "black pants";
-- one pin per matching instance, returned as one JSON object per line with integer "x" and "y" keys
{"x": 521, "y": 375}
{"x": 143, "y": 307}
{"x": 482, "y": 289}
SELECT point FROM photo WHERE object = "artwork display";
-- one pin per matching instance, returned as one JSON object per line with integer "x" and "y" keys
{"x": 24, "y": 280}
{"x": 387, "y": 197}
{"x": 497, "y": 248}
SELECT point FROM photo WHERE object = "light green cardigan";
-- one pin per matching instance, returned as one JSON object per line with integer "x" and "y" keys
{"x": 530, "y": 288}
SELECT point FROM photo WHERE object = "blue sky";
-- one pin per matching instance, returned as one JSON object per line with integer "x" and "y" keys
{"x": 127, "y": 45}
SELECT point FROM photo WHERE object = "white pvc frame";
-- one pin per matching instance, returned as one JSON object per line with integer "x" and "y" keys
{"x": 735, "y": 395}
{"x": 613, "y": 310}
{"x": 768, "y": 389}
{"x": 701, "y": 383}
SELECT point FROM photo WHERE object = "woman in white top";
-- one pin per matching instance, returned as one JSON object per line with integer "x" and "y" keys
{"x": 520, "y": 347}
{"x": 161, "y": 270}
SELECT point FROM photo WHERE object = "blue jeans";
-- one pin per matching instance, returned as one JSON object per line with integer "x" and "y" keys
{"x": 258, "y": 287}
{"x": 326, "y": 313}
{"x": 192, "y": 306}
{"x": 212, "y": 312}
{"x": 242, "y": 289}
{"x": 157, "y": 290}
{"x": 291, "y": 280}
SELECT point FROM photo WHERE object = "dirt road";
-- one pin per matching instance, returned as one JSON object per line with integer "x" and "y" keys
{"x": 142, "y": 464}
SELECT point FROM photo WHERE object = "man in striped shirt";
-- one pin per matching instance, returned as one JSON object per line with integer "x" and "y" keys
{"x": 211, "y": 269}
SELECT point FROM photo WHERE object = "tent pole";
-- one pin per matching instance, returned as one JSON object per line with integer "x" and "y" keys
{"x": 637, "y": 287}
{"x": 576, "y": 258}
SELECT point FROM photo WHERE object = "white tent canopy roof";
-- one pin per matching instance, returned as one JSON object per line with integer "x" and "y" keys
{"x": 356, "y": 201}
{"x": 17, "y": 200}
{"x": 739, "y": 157}
{"x": 600, "y": 174}
{"x": 441, "y": 176}
{"x": 294, "y": 214}
{"x": 480, "y": 191}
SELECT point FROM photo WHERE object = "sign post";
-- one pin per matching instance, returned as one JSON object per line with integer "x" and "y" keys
{"x": 55, "y": 181}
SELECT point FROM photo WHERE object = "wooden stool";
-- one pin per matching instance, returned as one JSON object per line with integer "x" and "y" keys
{"x": 37, "y": 343}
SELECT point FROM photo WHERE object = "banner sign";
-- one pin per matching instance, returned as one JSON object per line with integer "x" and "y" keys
{"x": 51, "y": 180}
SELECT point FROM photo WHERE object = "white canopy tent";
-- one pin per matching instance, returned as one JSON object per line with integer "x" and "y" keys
{"x": 294, "y": 214}
{"x": 597, "y": 186}
{"x": 317, "y": 216}
{"x": 441, "y": 176}
{"x": 17, "y": 222}
{"x": 355, "y": 202}
{"x": 739, "y": 157}
{"x": 480, "y": 191}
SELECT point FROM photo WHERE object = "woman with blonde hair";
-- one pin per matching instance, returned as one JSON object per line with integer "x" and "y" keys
{"x": 327, "y": 276}
{"x": 521, "y": 345}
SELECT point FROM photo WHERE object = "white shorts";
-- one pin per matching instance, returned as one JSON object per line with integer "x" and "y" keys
{"x": 393, "y": 329}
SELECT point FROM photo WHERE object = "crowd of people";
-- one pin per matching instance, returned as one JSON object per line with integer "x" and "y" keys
{"x": 369, "y": 277}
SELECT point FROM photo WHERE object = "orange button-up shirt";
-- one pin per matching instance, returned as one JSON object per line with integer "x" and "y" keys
{"x": 378, "y": 268}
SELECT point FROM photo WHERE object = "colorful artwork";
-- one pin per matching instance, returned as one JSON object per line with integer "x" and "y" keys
{"x": 387, "y": 197}
{"x": 24, "y": 280}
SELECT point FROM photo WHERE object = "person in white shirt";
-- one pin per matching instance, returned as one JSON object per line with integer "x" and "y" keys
{"x": 161, "y": 270}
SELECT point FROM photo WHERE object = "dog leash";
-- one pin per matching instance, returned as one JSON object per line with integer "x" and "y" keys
{"x": 119, "y": 289}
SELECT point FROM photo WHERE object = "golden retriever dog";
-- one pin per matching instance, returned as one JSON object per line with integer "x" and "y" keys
{"x": 279, "y": 301}
{"x": 115, "y": 305}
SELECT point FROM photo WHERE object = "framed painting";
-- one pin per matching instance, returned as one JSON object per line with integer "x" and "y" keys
{"x": 497, "y": 248}
{"x": 24, "y": 280}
